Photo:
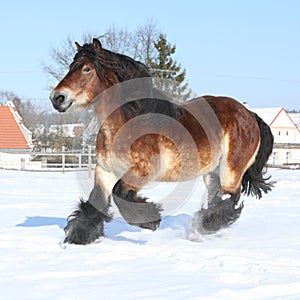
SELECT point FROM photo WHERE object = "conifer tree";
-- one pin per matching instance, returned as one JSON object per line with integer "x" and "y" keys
{"x": 167, "y": 72}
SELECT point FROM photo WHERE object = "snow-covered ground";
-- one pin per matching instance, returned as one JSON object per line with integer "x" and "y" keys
{"x": 256, "y": 258}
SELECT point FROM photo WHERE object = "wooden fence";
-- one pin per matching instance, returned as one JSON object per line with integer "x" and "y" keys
{"x": 66, "y": 160}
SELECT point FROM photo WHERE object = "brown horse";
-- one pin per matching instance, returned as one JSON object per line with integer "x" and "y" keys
{"x": 144, "y": 136}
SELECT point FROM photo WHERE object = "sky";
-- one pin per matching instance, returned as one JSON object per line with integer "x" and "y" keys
{"x": 248, "y": 50}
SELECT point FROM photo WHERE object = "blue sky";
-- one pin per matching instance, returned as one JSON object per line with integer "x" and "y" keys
{"x": 248, "y": 50}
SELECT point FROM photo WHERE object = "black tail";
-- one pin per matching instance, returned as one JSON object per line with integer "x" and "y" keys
{"x": 253, "y": 182}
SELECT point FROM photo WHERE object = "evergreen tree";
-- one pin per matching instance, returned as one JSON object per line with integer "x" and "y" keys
{"x": 167, "y": 72}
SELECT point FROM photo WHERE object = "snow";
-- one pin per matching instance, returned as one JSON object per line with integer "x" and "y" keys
{"x": 258, "y": 257}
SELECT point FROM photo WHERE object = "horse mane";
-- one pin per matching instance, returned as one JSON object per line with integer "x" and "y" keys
{"x": 125, "y": 68}
{"x": 106, "y": 61}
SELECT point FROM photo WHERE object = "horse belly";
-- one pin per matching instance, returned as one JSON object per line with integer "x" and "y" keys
{"x": 184, "y": 165}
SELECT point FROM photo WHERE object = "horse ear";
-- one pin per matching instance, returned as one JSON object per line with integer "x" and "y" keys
{"x": 97, "y": 44}
{"x": 78, "y": 46}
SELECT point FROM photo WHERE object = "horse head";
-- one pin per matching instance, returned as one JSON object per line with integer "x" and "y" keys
{"x": 84, "y": 81}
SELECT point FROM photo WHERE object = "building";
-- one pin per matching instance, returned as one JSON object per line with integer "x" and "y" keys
{"x": 15, "y": 139}
{"x": 286, "y": 134}
{"x": 69, "y": 130}
{"x": 296, "y": 118}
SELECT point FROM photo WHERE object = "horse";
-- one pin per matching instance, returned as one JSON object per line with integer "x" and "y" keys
{"x": 145, "y": 136}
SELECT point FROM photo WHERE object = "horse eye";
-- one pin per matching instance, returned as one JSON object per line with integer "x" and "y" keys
{"x": 86, "y": 69}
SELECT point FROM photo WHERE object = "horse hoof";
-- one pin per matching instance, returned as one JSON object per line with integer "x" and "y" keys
{"x": 219, "y": 216}
{"x": 81, "y": 230}
{"x": 82, "y": 234}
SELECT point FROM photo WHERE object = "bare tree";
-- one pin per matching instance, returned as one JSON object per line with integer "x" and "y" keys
{"x": 143, "y": 43}
{"x": 32, "y": 113}
{"x": 7, "y": 96}
{"x": 61, "y": 58}
{"x": 138, "y": 44}
{"x": 118, "y": 40}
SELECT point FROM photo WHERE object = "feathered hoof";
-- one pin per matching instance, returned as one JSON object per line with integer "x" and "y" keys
{"x": 85, "y": 224}
{"x": 78, "y": 232}
{"x": 221, "y": 215}
{"x": 151, "y": 216}
{"x": 142, "y": 214}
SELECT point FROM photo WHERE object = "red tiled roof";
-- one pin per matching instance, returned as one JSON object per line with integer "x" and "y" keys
{"x": 11, "y": 136}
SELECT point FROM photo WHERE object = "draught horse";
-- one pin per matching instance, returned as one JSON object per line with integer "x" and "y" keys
{"x": 144, "y": 137}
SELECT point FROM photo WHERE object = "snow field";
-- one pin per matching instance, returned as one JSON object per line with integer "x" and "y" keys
{"x": 258, "y": 257}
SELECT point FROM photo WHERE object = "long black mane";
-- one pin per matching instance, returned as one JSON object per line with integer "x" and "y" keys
{"x": 105, "y": 61}
{"x": 125, "y": 68}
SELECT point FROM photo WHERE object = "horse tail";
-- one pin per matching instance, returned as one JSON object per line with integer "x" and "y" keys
{"x": 254, "y": 182}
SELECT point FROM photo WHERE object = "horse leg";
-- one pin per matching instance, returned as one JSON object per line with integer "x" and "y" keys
{"x": 85, "y": 224}
{"x": 238, "y": 156}
{"x": 134, "y": 208}
{"x": 212, "y": 183}
{"x": 218, "y": 213}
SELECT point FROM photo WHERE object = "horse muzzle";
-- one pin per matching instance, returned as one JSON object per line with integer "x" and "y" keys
{"x": 60, "y": 101}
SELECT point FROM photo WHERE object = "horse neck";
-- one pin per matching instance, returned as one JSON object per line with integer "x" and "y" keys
{"x": 108, "y": 110}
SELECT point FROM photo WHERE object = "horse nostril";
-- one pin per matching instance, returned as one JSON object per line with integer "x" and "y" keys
{"x": 59, "y": 99}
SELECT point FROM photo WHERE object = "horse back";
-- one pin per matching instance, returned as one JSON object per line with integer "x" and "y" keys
{"x": 221, "y": 127}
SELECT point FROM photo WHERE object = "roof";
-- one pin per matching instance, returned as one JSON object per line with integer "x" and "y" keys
{"x": 11, "y": 134}
{"x": 296, "y": 118}
{"x": 268, "y": 114}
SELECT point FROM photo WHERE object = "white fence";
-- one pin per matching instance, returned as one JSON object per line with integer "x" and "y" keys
{"x": 284, "y": 155}
{"x": 15, "y": 160}
{"x": 54, "y": 161}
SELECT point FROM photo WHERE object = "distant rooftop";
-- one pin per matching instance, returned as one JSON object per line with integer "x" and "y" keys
{"x": 296, "y": 118}
{"x": 267, "y": 114}
{"x": 12, "y": 129}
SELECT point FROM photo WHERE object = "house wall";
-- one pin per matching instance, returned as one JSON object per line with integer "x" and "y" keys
{"x": 18, "y": 161}
{"x": 284, "y": 130}
{"x": 286, "y": 150}
{"x": 285, "y": 154}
